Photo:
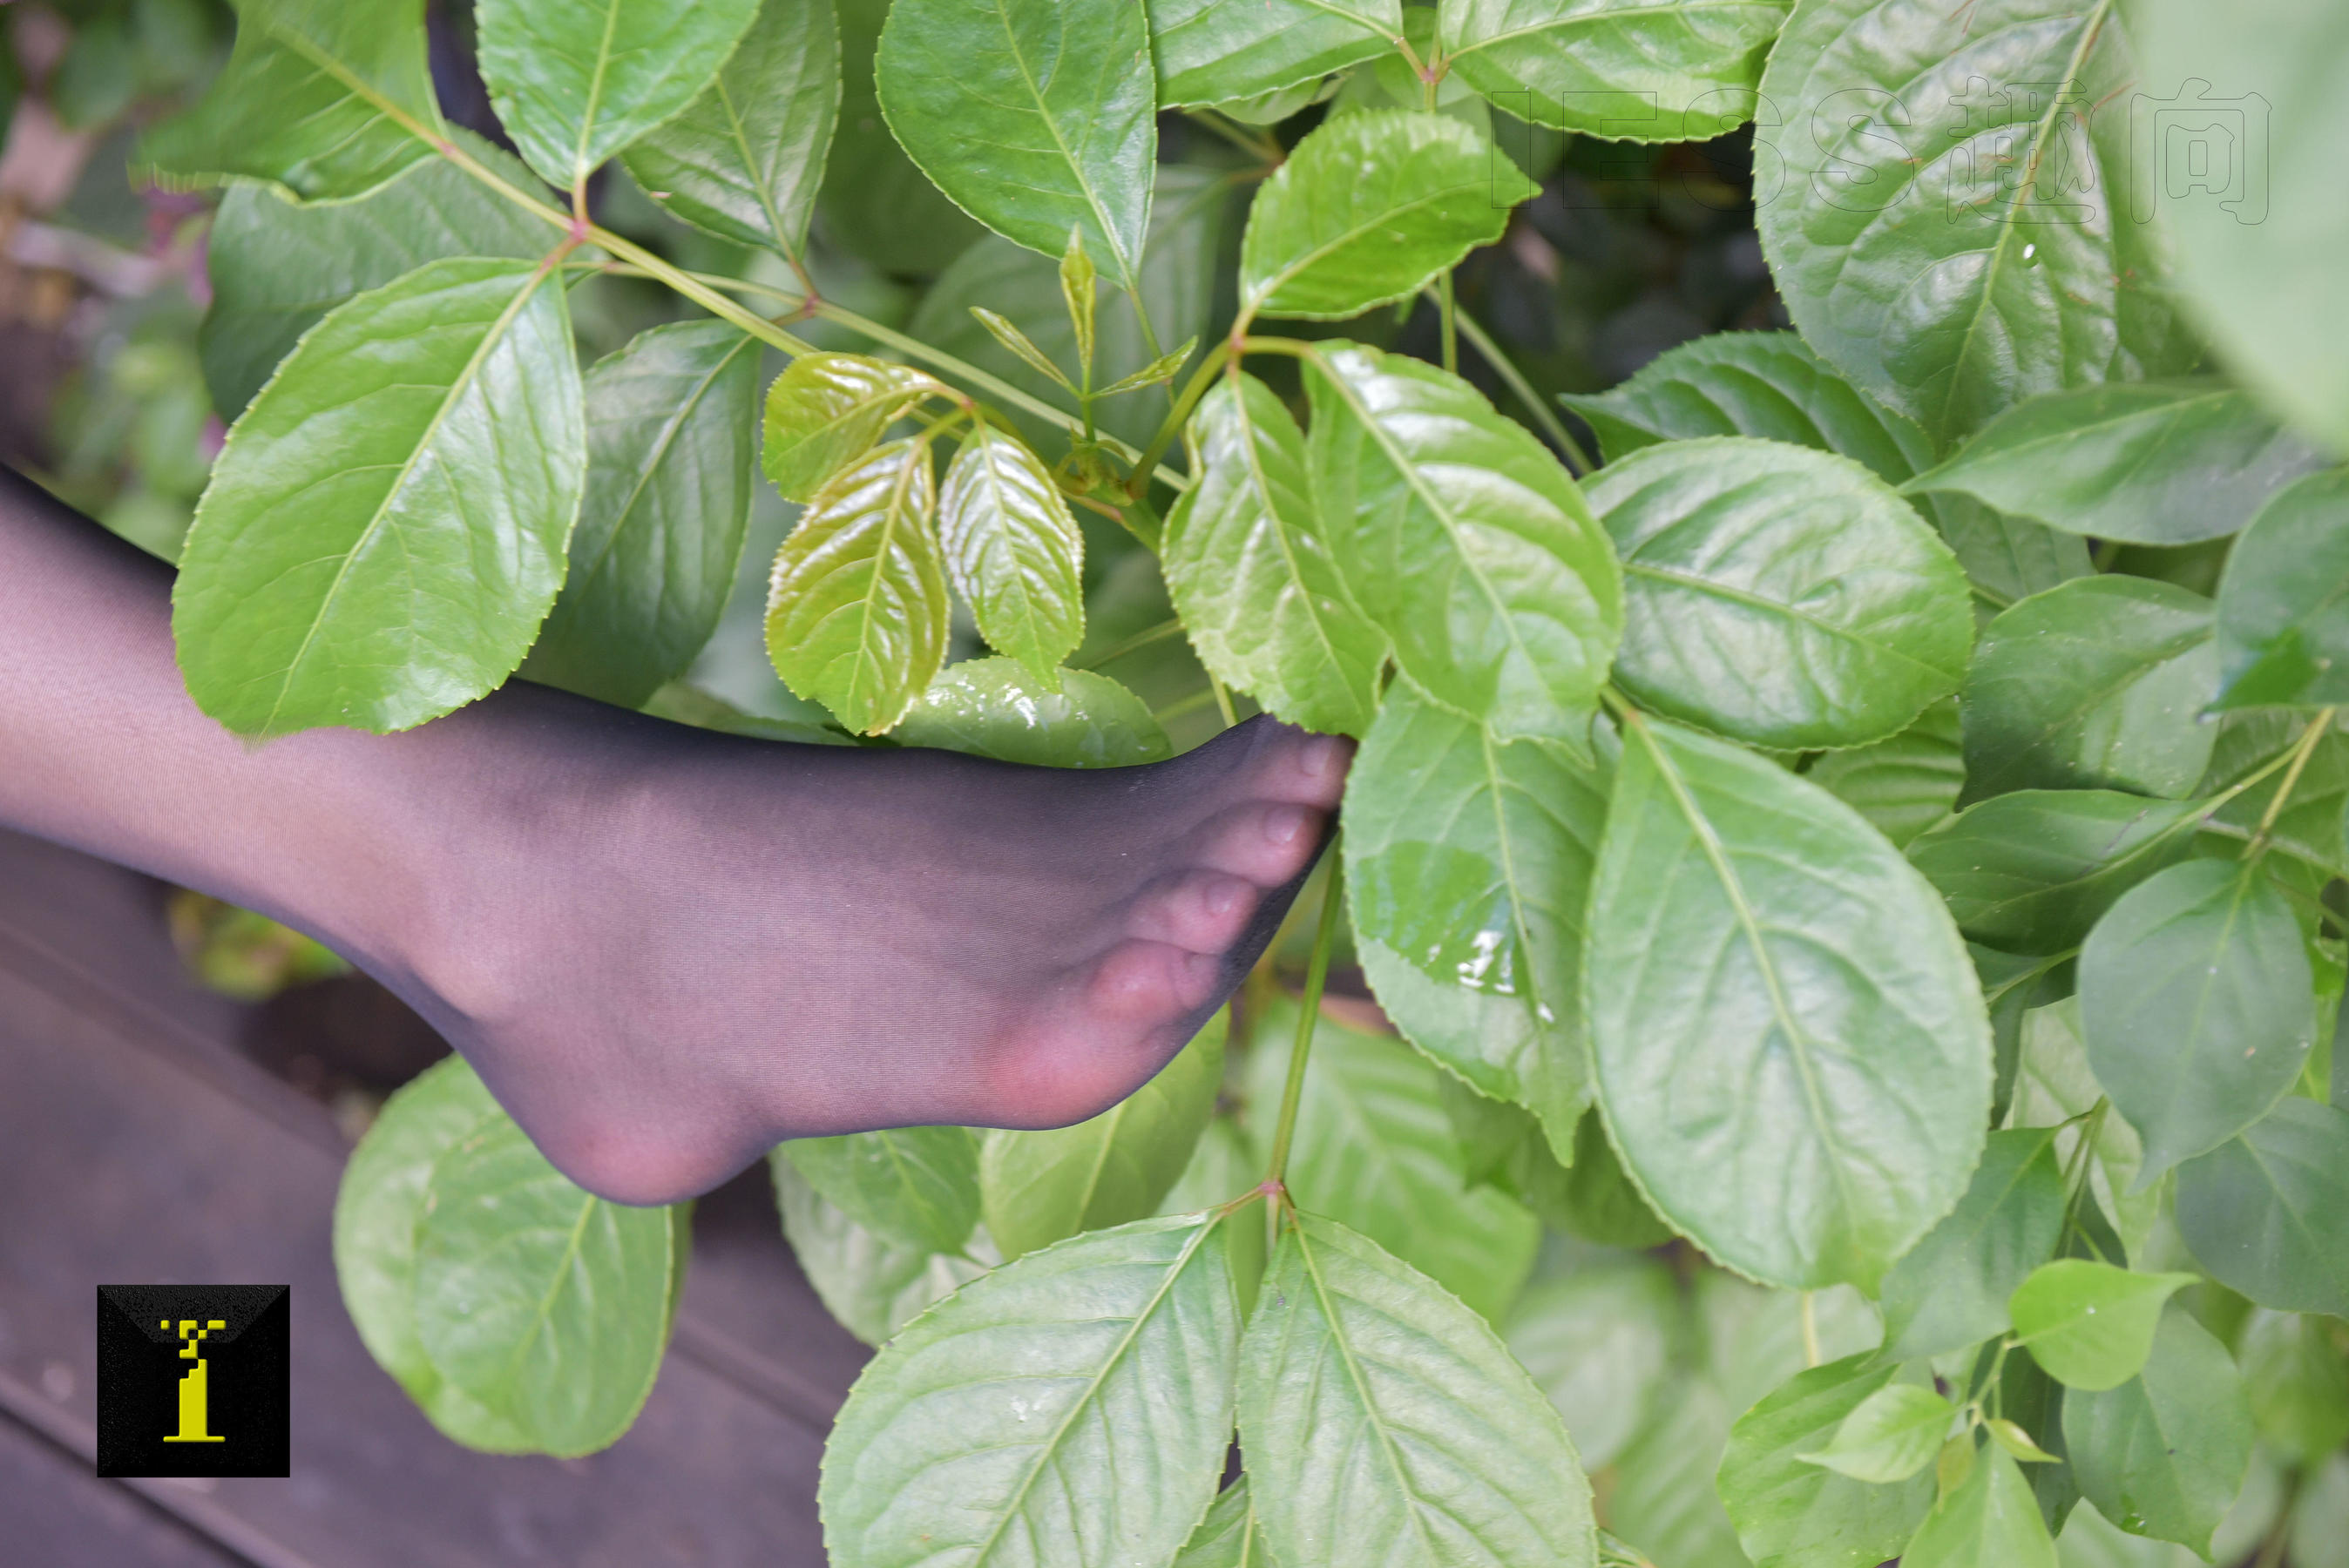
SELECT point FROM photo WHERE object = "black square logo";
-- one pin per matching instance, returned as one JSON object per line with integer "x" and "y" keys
{"x": 193, "y": 1379}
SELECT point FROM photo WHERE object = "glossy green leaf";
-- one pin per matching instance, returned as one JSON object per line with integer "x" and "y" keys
{"x": 276, "y": 266}
{"x": 544, "y": 1303}
{"x": 1013, "y": 551}
{"x": 2055, "y": 1088}
{"x": 1229, "y": 1537}
{"x": 1904, "y": 783}
{"x": 1957, "y": 246}
{"x": 1036, "y": 1187}
{"x": 2284, "y": 603}
{"x": 575, "y": 83}
{"x": 2197, "y": 1003}
{"x": 1366, "y": 209}
{"x": 310, "y": 99}
{"x": 2099, "y": 683}
{"x": 1599, "y": 1341}
{"x": 2297, "y": 1378}
{"x": 1951, "y": 1291}
{"x": 873, "y": 1286}
{"x": 1992, "y": 1520}
{"x": 1594, "y": 64}
{"x": 386, "y": 528}
{"x": 2268, "y": 1213}
{"x": 1463, "y": 539}
{"x": 995, "y": 708}
{"x": 2031, "y": 872}
{"x": 1374, "y": 1150}
{"x": 1247, "y": 564}
{"x": 2091, "y": 1324}
{"x": 1788, "y": 1036}
{"x": 1467, "y": 861}
{"x": 826, "y": 410}
{"x": 2164, "y": 1454}
{"x": 875, "y": 202}
{"x": 1069, "y": 1409}
{"x": 856, "y": 613}
{"x": 915, "y": 1186}
{"x": 671, "y": 422}
{"x": 1792, "y": 1513}
{"x": 2167, "y": 462}
{"x": 1780, "y": 595}
{"x": 1212, "y": 51}
{"x": 1375, "y": 1408}
{"x": 744, "y": 159}
{"x": 1890, "y": 1435}
{"x": 1037, "y": 118}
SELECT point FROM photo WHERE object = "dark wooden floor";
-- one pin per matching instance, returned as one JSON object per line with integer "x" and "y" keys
{"x": 139, "y": 1144}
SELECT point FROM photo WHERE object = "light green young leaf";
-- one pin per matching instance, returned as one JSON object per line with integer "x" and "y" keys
{"x": 2164, "y": 1453}
{"x": 1229, "y": 1537}
{"x": 311, "y": 99}
{"x": 1789, "y": 1039}
{"x": 670, "y": 466}
{"x": 1035, "y": 117}
{"x": 1959, "y": 262}
{"x": 386, "y": 528}
{"x": 1369, "y": 207}
{"x": 1951, "y": 1291}
{"x": 875, "y": 202}
{"x": 826, "y": 410}
{"x": 1005, "y": 331}
{"x": 994, "y": 707}
{"x": 744, "y": 159}
{"x": 2268, "y": 1213}
{"x": 546, "y": 1304}
{"x": 1080, "y": 284}
{"x": 1990, "y": 1521}
{"x": 874, "y": 1286}
{"x": 2010, "y": 1436}
{"x": 1213, "y": 51}
{"x": 575, "y": 83}
{"x": 1461, "y": 537}
{"x": 1616, "y": 69}
{"x": 2197, "y": 1003}
{"x": 1779, "y": 595}
{"x": 1383, "y": 1420}
{"x": 1036, "y": 1187}
{"x": 1164, "y": 368}
{"x": 1013, "y": 551}
{"x": 2031, "y": 872}
{"x": 1890, "y": 1436}
{"x": 2096, "y": 683}
{"x": 1792, "y": 1511}
{"x": 1598, "y": 1340}
{"x": 2091, "y": 1324}
{"x": 1467, "y": 861}
{"x": 915, "y": 1186}
{"x": 1069, "y": 1409}
{"x": 2284, "y": 603}
{"x": 2166, "y": 462}
{"x": 856, "y": 613}
{"x": 1904, "y": 783}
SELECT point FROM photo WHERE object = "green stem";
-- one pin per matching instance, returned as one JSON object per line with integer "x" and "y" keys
{"x": 1163, "y": 440}
{"x": 1576, "y": 459}
{"x": 1810, "y": 1329}
{"x": 1446, "y": 312}
{"x": 2300, "y": 752}
{"x": 1268, "y": 151}
{"x": 1142, "y": 639}
{"x": 1317, "y": 973}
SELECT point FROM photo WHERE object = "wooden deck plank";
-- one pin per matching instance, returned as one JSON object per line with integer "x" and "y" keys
{"x": 56, "y": 1511}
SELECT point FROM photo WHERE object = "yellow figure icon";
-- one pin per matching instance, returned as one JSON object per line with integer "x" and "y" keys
{"x": 195, "y": 1393}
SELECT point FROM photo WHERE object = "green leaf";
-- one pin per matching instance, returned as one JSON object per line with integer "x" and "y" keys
{"x": 681, "y": 702}
{"x": 2283, "y": 623}
{"x": 1904, "y": 783}
{"x": 1374, "y": 1150}
{"x": 2012, "y": 985}
{"x": 2164, "y": 1454}
{"x": 994, "y": 707}
{"x": 1779, "y": 595}
{"x": 1593, "y": 65}
{"x": 2268, "y": 1213}
{"x": 546, "y": 1304}
{"x": 2010, "y": 1436}
{"x": 2309, "y": 824}
{"x": 1036, "y": 1187}
{"x": 1594, "y": 1199}
{"x": 875, "y": 202}
{"x": 2031, "y": 872}
{"x": 576, "y": 83}
{"x": 856, "y": 614}
{"x": 1013, "y": 551}
{"x": 2053, "y": 1086}
{"x": 915, "y": 1186}
{"x": 1212, "y": 51}
{"x": 1247, "y": 564}
{"x": 1980, "y": 254}
{"x": 1788, "y": 1035}
{"x": 276, "y": 266}
{"x": 1890, "y": 1435}
{"x": 1376, "y": 1410}
{"x": 386, "y": 528}
{"x": 1005, "y": 331}
{"x": 2007, "y": 558}
{"x": 872, "y": 1284}
{"x": 1037, "y": 118}
{"x": 1467, "y": 861}
{"x": 2095, "y": 683}
{"x": 1951, "y": 1291}
{"x": 1992, "y": 1520}
{"x": 1598, "y": 1340}
{"x": 1794, "y": 1512}
{"x": 1663, "y": 1494}
{"x": 2165, "y": 462}
{"x": 1369, "y": 207}
{"x": 826, "y": 410}
{"x": 1069, "y": 1409}
{"x": 671, "y": 463}
{"x": 310, "y": 99}
{"x": 744, "y": 159}
{"x": 1229, "y": 1537}
{"x": 1078, "y": 285}
{"x": 2298, "y": 1382}
{"x": 1158, "y": 372}
{"x": 1463, "y": 539}
{"x": 2198, "y": 1006}
{"x": 2091, "y": 1324}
